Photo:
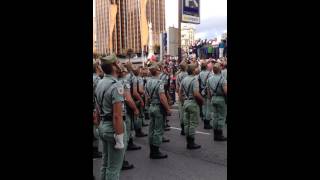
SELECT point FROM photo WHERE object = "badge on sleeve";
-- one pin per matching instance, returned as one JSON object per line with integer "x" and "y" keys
{"x": 120, "y": 90}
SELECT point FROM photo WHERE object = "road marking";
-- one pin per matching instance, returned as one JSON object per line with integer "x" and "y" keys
{"x": 198, "y": 132}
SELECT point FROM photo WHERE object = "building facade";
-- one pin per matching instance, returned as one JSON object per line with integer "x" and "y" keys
{"x": 126, "y": 33}
{"x": 173, "y": 41}
{"x": 94, "y": 39}
{"x": 187, "y": 36}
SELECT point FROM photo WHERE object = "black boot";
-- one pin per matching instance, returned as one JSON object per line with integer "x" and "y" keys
{"x": 126, "y": 165}
{"x": 207, "y": 124}
{"x": 139, "y": 133}
{"x": 145, "y": 124}
{"x": 191, "y": 144}
{"x": 96, "y": 153}
{"x": 218, "y": 135}
{"x": 146, "y": 116}
{"x": 182, "y": 130}
{"x": 132, "y": 146}
{"x": 164, "y": 140}
{"x": 155, "y": 153}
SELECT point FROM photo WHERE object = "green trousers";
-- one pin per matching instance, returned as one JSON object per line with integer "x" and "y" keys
{"x": 219, "y": 112}
{"x": 111, "y": 158}
{"x": 129, "y": 127}
{"x": 96, "y": 137}
{"x": 191, "y": 114}
{"x": 156, "y": 125}
{"x": 138, "y": 120}
{"x": 207, "y": 109}
{"x": 180, "y": 108}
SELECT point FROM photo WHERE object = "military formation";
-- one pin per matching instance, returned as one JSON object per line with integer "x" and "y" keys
{"x": 125, "y": 95}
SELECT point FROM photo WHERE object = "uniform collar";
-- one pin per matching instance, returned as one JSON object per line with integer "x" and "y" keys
{"x": 109, "y": 76}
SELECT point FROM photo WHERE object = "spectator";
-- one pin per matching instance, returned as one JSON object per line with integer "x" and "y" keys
{"x": 221, "y": 49}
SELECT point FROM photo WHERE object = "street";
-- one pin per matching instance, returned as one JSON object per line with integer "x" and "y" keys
{"x": 207, "y": 163}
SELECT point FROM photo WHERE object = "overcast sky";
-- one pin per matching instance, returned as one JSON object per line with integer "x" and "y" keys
{"x": 213, "y": 17}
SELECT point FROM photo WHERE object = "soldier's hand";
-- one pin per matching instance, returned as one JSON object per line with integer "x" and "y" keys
{"x": 119, "y": 141}
{"x": 136, "y": 112}
{"x": 142, "y": 103}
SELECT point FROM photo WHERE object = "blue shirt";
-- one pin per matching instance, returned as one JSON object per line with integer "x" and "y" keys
{"x": 221, "y": 45}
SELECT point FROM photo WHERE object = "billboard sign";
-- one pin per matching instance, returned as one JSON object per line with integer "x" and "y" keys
{"x": 190, "y": 11}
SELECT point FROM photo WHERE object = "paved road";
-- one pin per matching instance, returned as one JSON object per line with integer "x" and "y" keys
{"x": 207, "y": 163}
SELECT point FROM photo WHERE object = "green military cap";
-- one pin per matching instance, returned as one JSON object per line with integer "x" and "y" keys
{"x": 122, "y": 68}
{"x": 192, "y": 66}
{"x": 183, "y": 65}
{"x": 153, "y": 65}
{"x": 217, "y": 65}
{"x": 109, "y": 59}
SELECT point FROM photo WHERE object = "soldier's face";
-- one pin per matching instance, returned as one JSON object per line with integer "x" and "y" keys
{"x": 196, "y": 71}
{"x": 99, "y": 71}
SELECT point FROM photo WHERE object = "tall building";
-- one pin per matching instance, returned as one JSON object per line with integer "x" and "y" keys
{"x": 127, "y": 31}
{"x": 187, "y": 36}
{"x": 94, "y": 35}
{"x": 173, "y": 41}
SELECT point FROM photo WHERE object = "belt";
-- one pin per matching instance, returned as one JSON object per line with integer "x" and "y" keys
{"x": 110, "y": 119}
{"x": 188, "y": 98}
{"x": 218, "y": 95}
{"x": 155, "y": 103}
{"x": 107, "y": 117}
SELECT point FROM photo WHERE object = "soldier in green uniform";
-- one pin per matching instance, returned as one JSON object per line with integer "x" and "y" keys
{"x": 145, "y": 77}
{"x": 158, "y": 105}
{"x": 165, "y": 77}
{"x": 137, "y": 92}
{"x": 129, "y": 104}
{"x": 192, "y": 99}
{"x": 204, "y": 75}
{"x": 112, "y": 129}
{"x": 97, "y": 74}
{"x": 218, "y": 91}
{"x": 182, "y": 74}
{"x": 224, "y": 74}
{"x": 142, "y": 94}
{"x": 129, "y": 112}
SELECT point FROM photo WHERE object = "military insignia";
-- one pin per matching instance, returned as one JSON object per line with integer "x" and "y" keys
{"x": 120, "y": 90}
{"x": 161, "y": 86}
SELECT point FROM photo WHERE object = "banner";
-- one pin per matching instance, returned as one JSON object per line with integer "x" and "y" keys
{"x": 112, "y": 22}
{"x": 190, "y": 11}
{"x": 143, "y": 23}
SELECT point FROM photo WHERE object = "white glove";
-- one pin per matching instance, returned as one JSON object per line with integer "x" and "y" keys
{"x": 119, "y": 141}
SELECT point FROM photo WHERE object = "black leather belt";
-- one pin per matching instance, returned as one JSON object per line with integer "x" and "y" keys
{"x": 188, "y": 98}
{"x": 155, "y": 103}
{"x": 110, "y": 119}
{"x": 106, "y": 118}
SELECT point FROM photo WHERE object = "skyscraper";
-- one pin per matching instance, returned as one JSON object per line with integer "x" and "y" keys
{"x": 126, "y": 33}
{"x": 94, "y": 35}
{"x": 187, "y": 36}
